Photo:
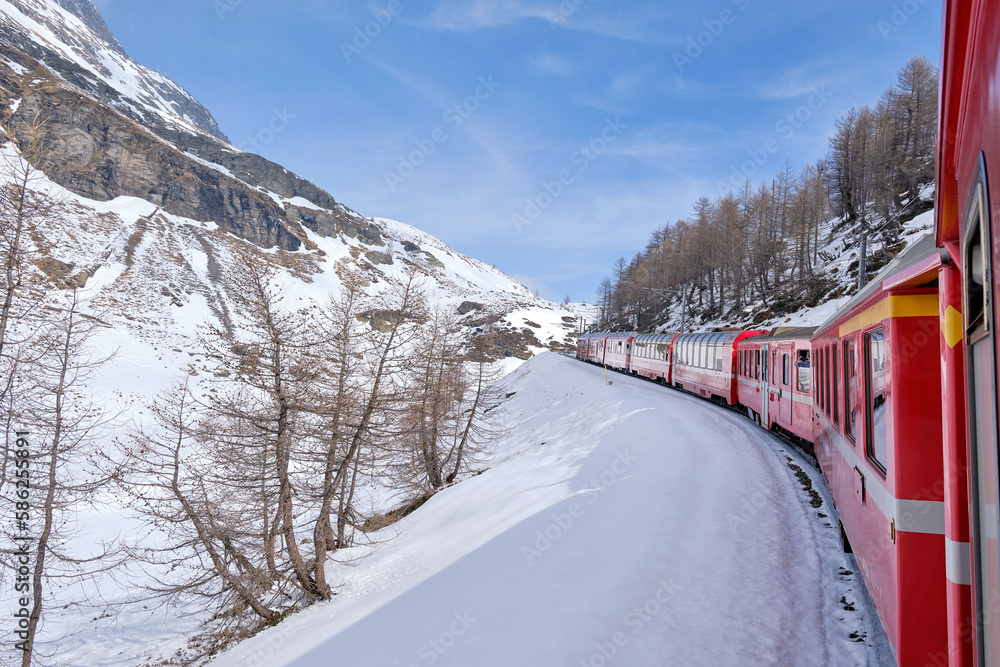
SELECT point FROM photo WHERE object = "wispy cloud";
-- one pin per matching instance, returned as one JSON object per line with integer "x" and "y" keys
{"x": 578, "y": 15}
{"x": 480, "y": 14}
{"x": 549, "y": 64}
{"x": 796, "y": 81}
{"x": 625, "y": 83}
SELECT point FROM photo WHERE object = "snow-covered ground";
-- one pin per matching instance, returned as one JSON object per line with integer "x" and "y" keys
{"x": 622, "y": 524}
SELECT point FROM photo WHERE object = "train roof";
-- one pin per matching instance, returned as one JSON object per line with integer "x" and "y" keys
{"x": 608, "y": 334}
{"x": 924, "y": 250}
{"x": 786, "y": 333}
{"x": 658, "y": 338}
{"x": 711, "y": 337}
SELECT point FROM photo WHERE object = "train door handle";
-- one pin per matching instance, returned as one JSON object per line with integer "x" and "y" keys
{"x": 859, "y": 486}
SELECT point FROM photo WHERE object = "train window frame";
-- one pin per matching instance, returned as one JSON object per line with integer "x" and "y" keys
{"x": 819, "y": 378}
{"x": 786, "y": 369}
{"x": 981, "y": 419}
{"x": 836, "y": 389}
{"x": 804, "y": 364}
{"x": 828, "y": 404}
{"x": 850, "y": 376}
{"x": 976, "y": 245}
{"x": 870, "y": 398}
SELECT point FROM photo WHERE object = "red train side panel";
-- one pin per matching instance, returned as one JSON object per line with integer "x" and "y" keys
{"x": 968, "y": 208}
{"x": 877, "y": 405}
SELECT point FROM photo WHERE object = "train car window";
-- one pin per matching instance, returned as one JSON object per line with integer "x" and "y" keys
{"x": 980, "y": 312}
{"x": 756, "y": 365}
{"x": 822, "y": 379}
{"x": 876, "y": 404}
{"x": 803, "y": 372}
{"x": 720, "y": 357}
{"x": 819, "y": 378}
{"x": 826, "y": 380}
{"x": 850, "y": 395}
{"x": 786, "y": 370}
{"x": 836, "y": 390}
{"x": 976, "y": 273}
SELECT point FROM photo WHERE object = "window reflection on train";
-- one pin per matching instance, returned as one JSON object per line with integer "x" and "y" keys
{"x": 877, "y": 405}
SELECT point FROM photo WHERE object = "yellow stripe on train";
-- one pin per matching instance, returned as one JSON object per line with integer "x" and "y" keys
{"x": 913, "y": 305}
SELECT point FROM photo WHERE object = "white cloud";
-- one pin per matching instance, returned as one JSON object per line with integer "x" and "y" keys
{"x": 546, "y": 63}
{"x": 584, "y": 15}
{"x": 470, "y": 16}
{"x": 625, "y": 83}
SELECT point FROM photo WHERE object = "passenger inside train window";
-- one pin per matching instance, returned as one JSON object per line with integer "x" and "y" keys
{"x": 804, "y": 372}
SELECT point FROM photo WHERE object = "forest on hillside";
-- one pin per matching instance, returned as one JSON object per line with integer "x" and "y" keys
{"x": 765, "y": 242}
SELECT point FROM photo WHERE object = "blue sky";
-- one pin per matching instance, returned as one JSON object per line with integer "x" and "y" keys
{"x": 548, "y": 137}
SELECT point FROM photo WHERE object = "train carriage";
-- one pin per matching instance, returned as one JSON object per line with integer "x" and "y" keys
{"x": 590, "y": 347}
{"x": 878, "y": 439}
{"x": 774, "y": 376}
{"x": 618, "y": 351}
{"x": 705, "y": 364}
{"x": 652, "y": 356}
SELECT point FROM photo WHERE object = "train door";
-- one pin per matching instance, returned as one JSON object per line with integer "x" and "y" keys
{"x": 981, "y": 339}
{"x": 765, "y": 386}
{"x": 785, "y": 385}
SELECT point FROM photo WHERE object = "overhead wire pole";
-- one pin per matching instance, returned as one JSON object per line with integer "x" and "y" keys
{"x": 863, "y": 259}
{"x": 673, "y": 291}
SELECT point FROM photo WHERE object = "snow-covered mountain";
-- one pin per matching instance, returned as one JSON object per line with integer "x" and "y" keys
{"x": 156, "y": 199}
{"x": 70, "y": 38}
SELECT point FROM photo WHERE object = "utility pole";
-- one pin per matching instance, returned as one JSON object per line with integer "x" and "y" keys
{"x": 863, "y": 261}
{"x": 684, "y": 300}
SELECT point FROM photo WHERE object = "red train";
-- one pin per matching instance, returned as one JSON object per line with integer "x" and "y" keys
{"x": 864, "y": 392}
{"x": 897, "y": 392}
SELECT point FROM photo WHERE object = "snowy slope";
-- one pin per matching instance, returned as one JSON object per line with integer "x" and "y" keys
{"x": 624, "y": 524}
{"x": 161, "y": 276}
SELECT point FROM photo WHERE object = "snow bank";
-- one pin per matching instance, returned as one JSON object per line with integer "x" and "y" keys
{"x": 619, "y": 525}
